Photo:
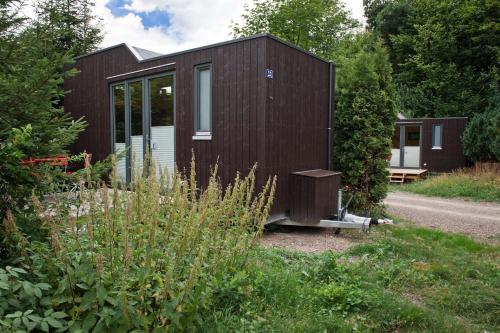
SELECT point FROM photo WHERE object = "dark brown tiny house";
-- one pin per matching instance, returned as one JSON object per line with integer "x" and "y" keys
{"x": 434, "y": 144}
{"x": 251, "y": 100}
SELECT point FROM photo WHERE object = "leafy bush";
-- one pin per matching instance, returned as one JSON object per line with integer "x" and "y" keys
{"x": 482, "y": 135}
{"x": 26, "y": 306}
{"x": 148, "y": 259}
{"x": 364, "y": 120}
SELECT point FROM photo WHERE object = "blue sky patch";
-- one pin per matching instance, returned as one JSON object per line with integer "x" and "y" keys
{"x": 157, "y": 18}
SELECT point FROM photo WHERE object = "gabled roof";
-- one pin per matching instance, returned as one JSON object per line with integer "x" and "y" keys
{"x": 139, "y": 54}
{"x": 145, "y": 55}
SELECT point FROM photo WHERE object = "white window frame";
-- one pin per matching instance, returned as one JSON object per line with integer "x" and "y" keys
{"x": 201, "y": 135}
{"x": 440, "y": 136}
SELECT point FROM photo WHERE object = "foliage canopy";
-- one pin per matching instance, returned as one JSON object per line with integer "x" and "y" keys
{"x": 482, "y": 136}
{"x": 445, "y": 53}
{"x": 315, "y": 25}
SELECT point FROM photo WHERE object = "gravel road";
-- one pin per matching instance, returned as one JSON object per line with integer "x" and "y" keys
{"x": 477, "y": 219}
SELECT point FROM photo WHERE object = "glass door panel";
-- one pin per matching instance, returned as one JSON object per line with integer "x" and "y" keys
{"x": 395, "y": 149}
{"x": 411, "y": 147}
{"x": 136, "y": 126}
{"x": 118, "y": 99}
{"x": 143, "y": 115}
{"x": 161, "y": 105}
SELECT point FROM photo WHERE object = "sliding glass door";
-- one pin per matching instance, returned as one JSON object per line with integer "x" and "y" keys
{"x": 161, "y": 111}
{"x": 143, "y": 116}
{"x": 120, "y": 125}
{"x": 136, "y": 126}
{"x": 396, "y": 148}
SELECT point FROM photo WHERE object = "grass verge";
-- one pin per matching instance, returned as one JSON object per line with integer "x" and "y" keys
{"x": 407, "y": 280}
{"x": 480, "y": 186}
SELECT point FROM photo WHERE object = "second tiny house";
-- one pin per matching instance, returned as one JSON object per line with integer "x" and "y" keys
{"x": 433, "y": 144}
{"x": 250, "y": 100}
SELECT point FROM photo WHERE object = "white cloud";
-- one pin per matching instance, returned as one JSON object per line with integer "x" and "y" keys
{"x": 193, "y": 23}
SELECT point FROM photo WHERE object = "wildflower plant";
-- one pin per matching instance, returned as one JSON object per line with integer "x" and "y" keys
{"x": 150, "y": 256}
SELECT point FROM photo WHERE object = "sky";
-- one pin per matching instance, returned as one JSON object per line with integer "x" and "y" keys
{"x": 167, "y": 26}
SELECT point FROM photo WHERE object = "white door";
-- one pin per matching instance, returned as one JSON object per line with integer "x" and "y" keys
{"x": 411, "y": 156}
{"x": 161, "y": 111}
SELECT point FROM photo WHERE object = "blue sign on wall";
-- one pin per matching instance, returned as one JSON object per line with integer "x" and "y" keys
{"x": 269, "y": 73}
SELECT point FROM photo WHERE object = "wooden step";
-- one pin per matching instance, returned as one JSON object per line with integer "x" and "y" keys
{"x": 405, "y": 175}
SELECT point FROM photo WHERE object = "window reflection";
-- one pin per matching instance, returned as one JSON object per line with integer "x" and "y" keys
{"x": 161, "y": 101}
{"x": 135, "y": 90}
{"x": 119, "y": 108}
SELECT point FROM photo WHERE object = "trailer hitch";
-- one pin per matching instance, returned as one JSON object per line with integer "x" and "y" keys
{"x": 344, "y": 220}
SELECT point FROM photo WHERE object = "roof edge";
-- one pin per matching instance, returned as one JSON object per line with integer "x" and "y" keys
{"x": 427, "y": 118}
{"x": 298, "y": 48}
{"x": 232, "y": 41}
{"x": 109, "y": 48}
{"x": 134, "y": 52}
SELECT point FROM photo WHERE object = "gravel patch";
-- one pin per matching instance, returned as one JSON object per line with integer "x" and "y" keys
{"x": 477, "y": 219}
{"x": 311, "y": 239}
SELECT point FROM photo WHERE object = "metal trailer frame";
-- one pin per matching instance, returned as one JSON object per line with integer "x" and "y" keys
{"x": 343, "y": 220}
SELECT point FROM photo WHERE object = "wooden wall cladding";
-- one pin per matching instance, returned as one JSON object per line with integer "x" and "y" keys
{"x": 297, "y": 115}
{"x": 280, "y": 123}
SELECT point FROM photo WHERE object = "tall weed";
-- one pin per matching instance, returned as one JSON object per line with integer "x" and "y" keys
{"x": 151, "y": 257}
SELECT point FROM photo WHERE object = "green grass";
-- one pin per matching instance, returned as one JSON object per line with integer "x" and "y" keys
{"x": 461, "y": 184}
{"x": 406, "y": 280}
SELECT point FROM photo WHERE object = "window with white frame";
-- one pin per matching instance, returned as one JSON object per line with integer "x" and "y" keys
{"x": 203, "y": 102}
{"x": 437, "y": 136}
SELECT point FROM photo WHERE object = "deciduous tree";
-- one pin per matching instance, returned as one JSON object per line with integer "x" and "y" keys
{"x": 444, "y": 53}
{"x": 315, "y": 25}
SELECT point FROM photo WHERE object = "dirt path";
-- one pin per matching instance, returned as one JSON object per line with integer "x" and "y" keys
{"x": 310, "y": 239}
{"x": 478, "y": 219}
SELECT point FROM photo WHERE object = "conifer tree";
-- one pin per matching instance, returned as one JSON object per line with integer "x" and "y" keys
{"x": 32, "y": 122}
{"x": 364, "y": 119}
{"x": 71, "y": 23}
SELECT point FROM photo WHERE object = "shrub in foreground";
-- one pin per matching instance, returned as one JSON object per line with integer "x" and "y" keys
{"x": 148, "y": 259}
{"x": 364, "y": 121}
